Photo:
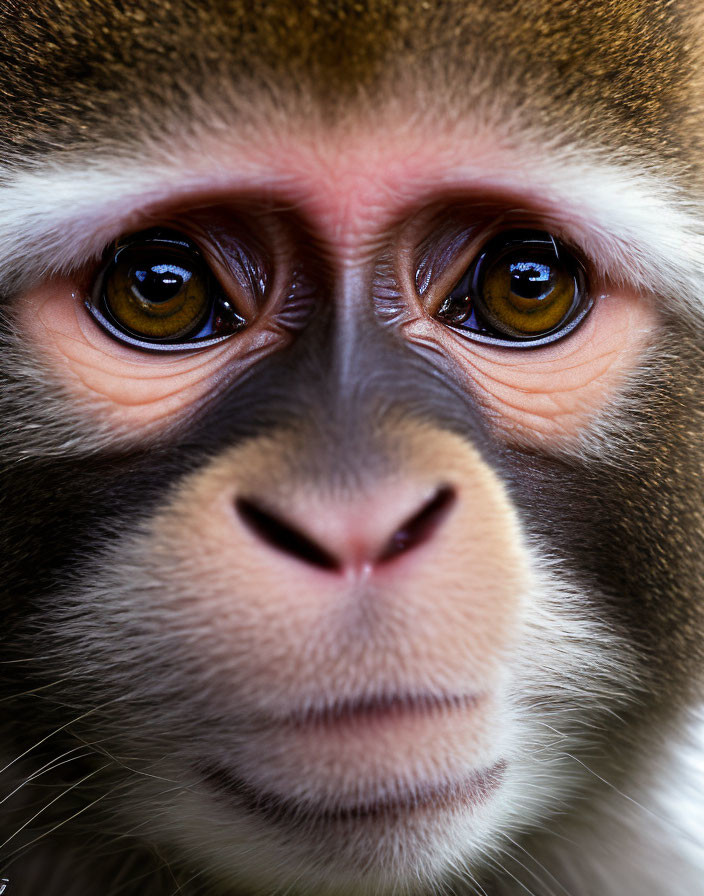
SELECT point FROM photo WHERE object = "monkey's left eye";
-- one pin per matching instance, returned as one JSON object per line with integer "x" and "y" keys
{"x": 157, "y": 292}
{"x": 525, "y": 288}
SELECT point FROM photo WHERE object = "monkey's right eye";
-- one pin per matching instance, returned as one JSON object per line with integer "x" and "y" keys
{"x": 157, "y": 292}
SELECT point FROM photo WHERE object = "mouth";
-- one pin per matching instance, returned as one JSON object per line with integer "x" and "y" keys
{"x": 471, "y": 791}
{"x": 376, "y": 739}
{"x": 379, "y": 709}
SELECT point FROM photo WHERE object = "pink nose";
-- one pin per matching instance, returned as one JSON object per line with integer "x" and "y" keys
{"x": 341, "y": 538}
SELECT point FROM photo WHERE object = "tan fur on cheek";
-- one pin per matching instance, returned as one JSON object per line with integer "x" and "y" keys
{"x": 551, "y": 394}
{"x": 134, "y": 391}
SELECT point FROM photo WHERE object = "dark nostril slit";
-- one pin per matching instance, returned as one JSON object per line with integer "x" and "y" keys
{"x": 281, "y": 535}
{"x": 421, "y": 526}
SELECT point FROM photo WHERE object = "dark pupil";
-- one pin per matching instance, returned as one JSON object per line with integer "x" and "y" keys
{"x": 160, "y": 282}
{"x": 532, "y": 279}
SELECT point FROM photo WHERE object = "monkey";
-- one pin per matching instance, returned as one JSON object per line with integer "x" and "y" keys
{"x": 352, "y": 448}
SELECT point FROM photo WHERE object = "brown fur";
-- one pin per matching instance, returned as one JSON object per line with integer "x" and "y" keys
{"x": 619, "y": 69}
{"x": 89, "y": 539}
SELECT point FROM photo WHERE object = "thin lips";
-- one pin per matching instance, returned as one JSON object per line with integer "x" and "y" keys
{"x": 378, "y": 708}
{"x": 473, "y": 790}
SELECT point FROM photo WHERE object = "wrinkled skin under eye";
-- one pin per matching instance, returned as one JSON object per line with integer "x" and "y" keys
{"x": 550, "y": 394}
{"x": 115, "y": 381}
{"x": 524, "y": 288}
{"x": 545, "y": 395}
{"x": 158, "y": 292}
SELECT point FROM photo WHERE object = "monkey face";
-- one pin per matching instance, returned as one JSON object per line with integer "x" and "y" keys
{"x": 353, "y": 490}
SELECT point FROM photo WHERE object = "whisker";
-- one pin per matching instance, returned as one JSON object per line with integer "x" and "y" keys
{"x": 54, "y": 733}
{"x": 51, "y": 803}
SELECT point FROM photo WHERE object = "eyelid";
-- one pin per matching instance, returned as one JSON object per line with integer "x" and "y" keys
{"x": 469, "y": 243}
{"x": 444, "y": 244}
{"x": 548, "y": 339}
{"x": 246, "y": 252}
{"x": 249, "y": 260}
{"x": 167, "y": 240}
{"x": 123, "y": 337}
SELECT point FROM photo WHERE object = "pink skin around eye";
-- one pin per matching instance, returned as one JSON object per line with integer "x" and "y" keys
{"x": 349, "y": 195}
{"x": 136, "y": 391}
{"x": 532, "y": 396}
{"x": 550, "y": 394}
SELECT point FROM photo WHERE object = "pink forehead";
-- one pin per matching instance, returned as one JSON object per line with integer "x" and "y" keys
{"x": 352, "y": 185}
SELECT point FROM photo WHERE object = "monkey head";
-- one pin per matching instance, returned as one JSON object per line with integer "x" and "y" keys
{"x": 352, "y": 376}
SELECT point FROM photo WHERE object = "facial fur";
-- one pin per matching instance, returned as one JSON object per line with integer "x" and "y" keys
{"x": 348, "y": 602}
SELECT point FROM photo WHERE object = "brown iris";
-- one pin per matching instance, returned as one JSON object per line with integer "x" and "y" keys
{"x": 525, "y": 286}
{"x": 159, "y": 290}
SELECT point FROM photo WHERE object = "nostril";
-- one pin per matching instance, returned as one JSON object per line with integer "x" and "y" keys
{"x": 421, "y": 526}
{"x": 281, "y": 535}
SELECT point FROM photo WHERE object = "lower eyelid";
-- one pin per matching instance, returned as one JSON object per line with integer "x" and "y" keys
{"x": 553, "y": 391}
{"x": 139, "y": 363}
{"x": 132, "y": 390}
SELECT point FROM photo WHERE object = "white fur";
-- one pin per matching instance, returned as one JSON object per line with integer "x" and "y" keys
{"x": 636, "y": 224}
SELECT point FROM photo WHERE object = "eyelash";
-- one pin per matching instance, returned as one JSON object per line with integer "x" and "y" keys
{"x": 546, "y": 284}
{"x": 526, "y": 315}
{"x": 216, "y": 321}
